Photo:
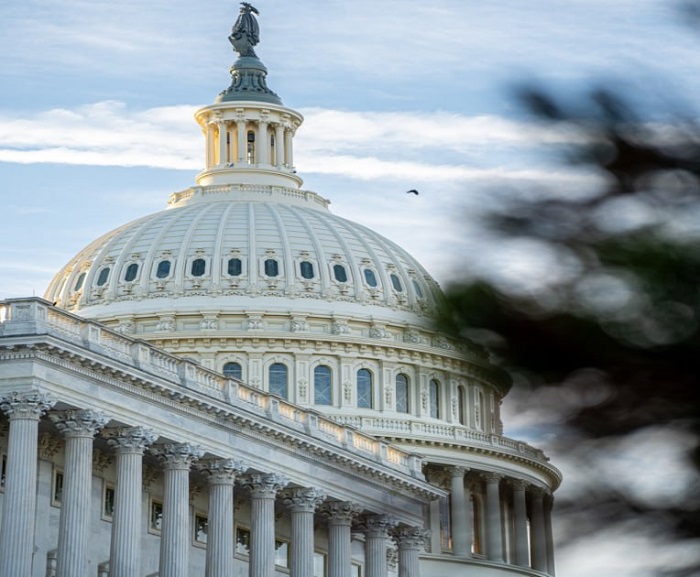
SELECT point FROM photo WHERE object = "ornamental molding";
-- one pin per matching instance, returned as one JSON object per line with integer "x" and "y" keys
{"x": 28, "y": 405}
{"x": 178, "y": 456}
{"x": 130, "y": 439}
{"x": 79, "y": 423}
{"x": 221, "y": 471}
{"x": 340, "y": 512}
{"x": 303, "y": 499}
{"x": 264, "y": 485}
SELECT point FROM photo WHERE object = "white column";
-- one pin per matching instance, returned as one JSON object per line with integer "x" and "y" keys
{"x": 263, "y": 142}
{"x": 79, "y": 429}
{"x": 538, "y": 540}
{"x": 17, "y": 531}
{"x": 263, "y": 488}
{"x": 340, "y": 515}
{"x": 521, "y": 549}
{"x": 129, "y": 443}
{"x": 410, "y": 542}
{"x": 288, "y": 151}
{"x": 223, "y": 142}
{"x": 242, "y": 139}
{"x": 461, "y": 533}
{"x": 279, "y": 145}
{"x": 209, "y": 144}
{"x": 376, "y": 528}
{"x": 175, "y": 533}
{"x": 548, "y": 505}
{"x": 494, "y": 539}
{"x": 221, "y": 475}
{"x": 302, "y": 503}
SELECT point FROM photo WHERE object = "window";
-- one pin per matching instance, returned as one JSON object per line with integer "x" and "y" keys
{"x": 233, "y": 371}
{"x": 364, "y": 389}
{"x": 57, "y": 488}
{"x": 402, "y": 393}
{"x": 271, "y": 267}
{"x": 198, "y": 267}
{"x": 416, "y": 287}
{"x": 131, "y": 272}
{"x": 320, "y": 564}
{"x": 445, "y": 527}
{"x": 370, "y": 277}
{"x": 434, "y": 395}
{"x": 278, "y": 380}
{"x": 103, "y": 276}
{"x": 250, "y": 151}
{"x": 281, "y": 554}
{"x": 306, "y": 269}
{"x": 356, "y": 570}
{"x": 461, "y": 402}
{"x": 396, "y": 283}
{"x": 163, "y": 269}
{"x": 235, "y": 267}
{"x": 339, "y": 273}
{"x": 3, "y": 472}
{"x": 79, "y": 282}
{"x": 201, "y": 528}
{"x": 108, "y": 502}
{"x": 478, "y": 408}
{"x": 322, "y": 385}
{"x": 155, "y": 519}
{"x": 242, "y": 541}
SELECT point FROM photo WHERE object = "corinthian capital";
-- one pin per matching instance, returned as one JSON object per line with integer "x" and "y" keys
{"x": 264, "y": 486}
{"x": 376, "y": 525}
{"x": 222, "y": 471}
{"x": 303, "y": 499}
{"x": 340, "y": 511}
{"x": 410, "y": 537}
{"x": 178, "y": 456}
{"x": 27, "y": 405}
{"x": 130, "y": 439}
{"x": 79, "y": 423}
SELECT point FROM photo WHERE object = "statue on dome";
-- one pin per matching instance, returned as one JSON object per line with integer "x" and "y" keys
{"x": 245, "y": 32}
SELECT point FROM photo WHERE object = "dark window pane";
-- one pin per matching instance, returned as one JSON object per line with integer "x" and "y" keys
{"x": 278, "y": 380}
{"x": 233, "y": 370}
{"x": 339, "y": 273}
{"x": 163, "y": 269}
{"x": 322, "y": 385}
{"x": 102, "y": 278}
{"x": 271, "y": 267}
{"x": 402, "y": 393}
{"x": 79, "y": 282}
{"x": 131, "y": 272}
{"x": 396, "y": 283}
{"x": 434, "y": 390}
{"x": 461, "y": 400}
{"x": 370, "y": 277}
{"x": 364, "y": 389}
{"x": 199, "y": 265}
{"x": 419, "y": 292}
{"x": 306, "y": 269}
{"x": 235, "y": 267}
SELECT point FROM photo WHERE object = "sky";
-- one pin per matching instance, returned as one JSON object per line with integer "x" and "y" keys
{"x": 96, "y": 129}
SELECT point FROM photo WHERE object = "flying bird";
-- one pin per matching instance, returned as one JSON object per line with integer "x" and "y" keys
{"x": 412, "y": 191}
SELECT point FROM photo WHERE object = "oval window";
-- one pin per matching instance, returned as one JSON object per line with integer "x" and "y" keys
{"x": 419, "y": 292}
{"x": 370, "y": 278}
{"x": 131, "y": 272}
{"x": 163, "y": 269}
{"x": 339, "y": 273}
{"x": 79, "y": 282}
{"x": 235, "y": 267}
{"x": 306, "y": 269}
{"x": 199, "y": 265}
{"x": 271, "y": 267}
{"x": 396, "y": 283}
{"x": 102, "y": 278}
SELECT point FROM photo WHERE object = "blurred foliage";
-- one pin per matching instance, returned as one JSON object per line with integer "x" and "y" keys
{"x": 622, "y": 302}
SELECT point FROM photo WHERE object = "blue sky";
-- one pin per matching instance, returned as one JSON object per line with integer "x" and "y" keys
{"x": 96, "y": 127}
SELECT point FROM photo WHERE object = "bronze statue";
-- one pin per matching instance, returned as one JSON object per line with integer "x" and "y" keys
{"x": 245, "y": 32}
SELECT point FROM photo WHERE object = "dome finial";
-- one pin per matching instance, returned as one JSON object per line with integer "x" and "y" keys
{"x": 245, "y": 32}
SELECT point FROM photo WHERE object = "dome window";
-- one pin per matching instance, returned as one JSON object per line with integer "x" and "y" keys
{"x": 103, "y": 276}
{"x": 131, "y": 271}
{"x": 434, "y": 396}
{"x": 339, "y": 273}
{"x": 461, "y": 405}
{"x": 396, "y": 283}
{"x": 370, "y": 277}
{"x": 306, "y": 269}
{"x": 278, "y": 380}
{"x": 322, "y": 385}
{"x": 199, "y": 266}
{"x": 235, "y": 267}
{"x": 79, "y": 282}
{"x": 401, "y": 393}
{"x": 364, "y": 389}
{"x": 419, "y": 292}
{"x": 250, "y": 151}
{"x": 272, "y": 267}
{"x": 233, "y": 371}
{"x": 163, "y": 269}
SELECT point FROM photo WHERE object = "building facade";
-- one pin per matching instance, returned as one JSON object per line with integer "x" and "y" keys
{"x": 247, "y": 384}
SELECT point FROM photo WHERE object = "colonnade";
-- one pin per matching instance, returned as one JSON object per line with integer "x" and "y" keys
{"x": 79, "y": 427}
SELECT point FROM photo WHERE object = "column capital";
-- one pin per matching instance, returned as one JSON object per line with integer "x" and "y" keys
{"x": 303, "y": 499}
{"x": 518, "y": 484}
{"x": 456, "y": 471}
{"x": 410, "y": 537}
{"x": 221, "y": 471}
{"x": 538, "y": 492}
{"x": 129, "y": 439}
{"x": 26, "y": 405}
{"x": 79, "y": 423}
{"x": 377, "y": 525}
{"x": 491, "y": 477}
{"x": 341, "y": 512}
{"x": 178, "y": 456}
{"x": 264, "y": 485}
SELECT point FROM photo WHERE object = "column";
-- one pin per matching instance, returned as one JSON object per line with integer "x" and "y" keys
{"x": 221, "y": 475}
{"x": 223, "y": 142}
{"x": 279, "y": 145}
{"x": 175, "y": 534}
{"x": 494, "y": 538}
{"x": 263, "y": 488}
{"x": 302, "y": 503}
{"x": 520, "y": 549}
{"x": 17, "y": 530}
{"x": 410, "y": 541}
{"x": 288, "y": 152}
{"x": 549, "y": 533}
{"x": 538, "y": 541}
{"x": 242, "y": 138}
{"x": 129, "y": 443}
{"x": 209, "y": 144}
{"x": 376, "y": 528}
{"x": 340, "y": 515}
{"x": 79, "y": 429}
{"x": 461, "y": 524}
{"x": 263, "y": 140}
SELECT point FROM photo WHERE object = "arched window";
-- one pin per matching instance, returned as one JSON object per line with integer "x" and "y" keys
{"x": 461, "y": 405}
{"x": 322, "y": 385}
{"x": 370, "y": 277}
{"x": 79, "y": 282}
{"x": 278, "y": 380}
{"x": 396, "y": 283}
{"x": 364, "y": 389}
{"x": 250, "y": 151}
{"x": 476, "y": 523}
{"x": 102, "y": 278}
{"x": 306, "y": 269}
{"x": 163, "y": 269}
{"x": 199, "y": 265}
{"x": 402, "y": 393}
{"x": 271, "y": 267}
{"x": 478, "y": 409}
{"x": 233, "y": 370}
{"x": 131, "y": 272}
{"x": 434, "y": 396}
{"x": 235, "y": 267}
{"x": 339, "y": 273}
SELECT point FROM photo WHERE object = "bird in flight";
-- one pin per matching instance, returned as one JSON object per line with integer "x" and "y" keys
{"x": 412, "y": 191}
